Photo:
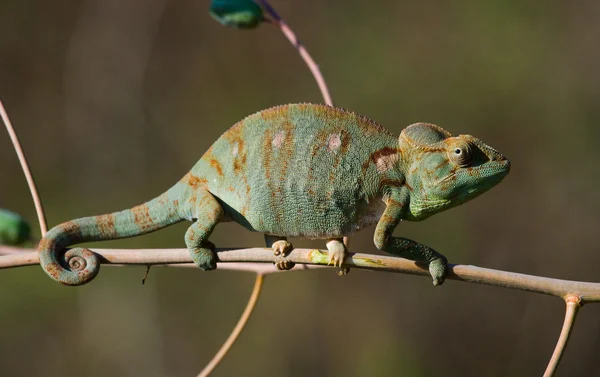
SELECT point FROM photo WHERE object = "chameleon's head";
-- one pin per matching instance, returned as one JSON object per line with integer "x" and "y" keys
{"x": 443, "y": 171}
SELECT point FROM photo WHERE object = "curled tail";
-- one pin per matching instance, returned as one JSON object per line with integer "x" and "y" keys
{"x": 79, "y": 266}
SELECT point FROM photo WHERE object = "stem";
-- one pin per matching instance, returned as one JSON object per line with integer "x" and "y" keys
{"x": 573, "y": 304}
{"x": 30, "y": 182}
{"x": 210, "y": 367}
{"x": 291, "y": 36}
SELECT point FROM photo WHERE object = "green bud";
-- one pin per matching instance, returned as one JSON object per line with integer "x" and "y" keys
{"x": 14, "y": 230}
{"x": 243, "y": 14}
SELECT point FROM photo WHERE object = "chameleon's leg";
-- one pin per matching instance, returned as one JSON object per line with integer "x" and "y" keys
{"x": 281, "y": 247}
{"x": 207, "y": 215}
{"x": 405, "y": 248}
{"x": 337, "y": 254}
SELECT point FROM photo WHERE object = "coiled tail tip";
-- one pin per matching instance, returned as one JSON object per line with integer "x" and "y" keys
{"x": 74, "y": 267}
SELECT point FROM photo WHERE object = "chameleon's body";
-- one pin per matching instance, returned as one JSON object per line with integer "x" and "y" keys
{"x": 301, "y": 170}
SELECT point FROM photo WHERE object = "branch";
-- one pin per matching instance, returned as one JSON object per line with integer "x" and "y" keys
{"x": 210, "y": 367}
{"x": 291, "y": 36}
{"x": 573, "y": 304}
{"x": 588, "y": 292}
{"x": 30, "y": 182}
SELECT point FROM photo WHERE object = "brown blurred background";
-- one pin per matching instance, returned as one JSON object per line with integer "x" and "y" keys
{"x": 114, "y": 100}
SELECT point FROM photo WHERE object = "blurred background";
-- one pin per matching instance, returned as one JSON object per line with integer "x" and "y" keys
{"x": 114, "y": 100}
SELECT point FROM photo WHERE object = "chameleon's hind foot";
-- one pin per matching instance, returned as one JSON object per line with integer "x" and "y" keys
{"x": 283, "y": 263}
{"x": 281, "y": 247}
{"x": 337, "y": 254}
{"x": 205, "y": 256}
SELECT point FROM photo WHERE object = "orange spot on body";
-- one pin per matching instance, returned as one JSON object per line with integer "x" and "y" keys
{"x": 141, "y": 216}
{"x": 217, "y": 166}
{"x": 106, "y": 225}
{"x": 193, "y": 181}
{"x": 275, "y": 113}
{"x": 72, "y": 230}
{"x": 54, "y": 269}
{"x": 382, "y": 158}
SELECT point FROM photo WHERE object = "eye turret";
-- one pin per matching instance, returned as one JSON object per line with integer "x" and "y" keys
{"x": 461, "y": 153}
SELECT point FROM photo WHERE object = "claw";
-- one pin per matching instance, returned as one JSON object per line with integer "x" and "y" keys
{"x": 284, "y": 264}
{"x": 337, "y": 254}
{"x": 438, "y": 270}
{"x": 281, "y": 247}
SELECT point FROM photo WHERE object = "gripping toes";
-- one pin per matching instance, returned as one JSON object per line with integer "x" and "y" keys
{"x": 337, "y": 254}
{"x": 438, "y": 270}
{"x": 208, "y": 214}
{"x": 281, "y": 247}
{"x": 205, "y": 256}
{"x": 283, "y": 263}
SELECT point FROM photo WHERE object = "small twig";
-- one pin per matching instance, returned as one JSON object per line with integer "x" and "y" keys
{"x": 17, "y": 145}
{"x": 573, "y": 304}
{"x": 237, "y": 330}
{"x": 146, "y": 274}
{"x": 291, "y": 36}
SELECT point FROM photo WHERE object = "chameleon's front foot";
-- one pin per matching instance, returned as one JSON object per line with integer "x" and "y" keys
{"x": 337, "y": 254}
{"x": 204, "y": 256}
{"x": 438, "y": 270}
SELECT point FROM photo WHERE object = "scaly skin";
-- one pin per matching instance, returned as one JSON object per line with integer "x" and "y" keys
{"x": 300, "y": 170}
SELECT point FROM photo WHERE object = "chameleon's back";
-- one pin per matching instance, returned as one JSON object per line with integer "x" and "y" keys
{"x": 300, "y": 170}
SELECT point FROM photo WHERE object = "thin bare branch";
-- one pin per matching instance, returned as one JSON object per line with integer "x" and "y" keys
{"x": 237, "y": 330}
{"x": 588, "y": 292}
{"x": 573, "y": 304}
{"x": 17, "y": 145}
{"x": 291, "y": 36}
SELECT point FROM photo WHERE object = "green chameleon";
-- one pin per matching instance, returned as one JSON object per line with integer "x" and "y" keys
{"x": 300, "y": 170}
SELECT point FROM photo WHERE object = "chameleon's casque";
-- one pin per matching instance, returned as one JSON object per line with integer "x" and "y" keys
{"x": 300, "y": 170}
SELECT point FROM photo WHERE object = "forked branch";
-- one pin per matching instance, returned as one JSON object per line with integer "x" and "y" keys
{"x": 573, "y": 304}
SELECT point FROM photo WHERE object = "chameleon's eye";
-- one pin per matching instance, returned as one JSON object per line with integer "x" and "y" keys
{"x": 461, "y": 153}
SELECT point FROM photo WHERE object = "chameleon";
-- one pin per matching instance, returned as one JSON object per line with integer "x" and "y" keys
{"x": 300, "y": 170}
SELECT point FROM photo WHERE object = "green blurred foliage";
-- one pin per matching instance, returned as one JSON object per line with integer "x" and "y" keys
{"x": 114, "y": 101}
{"x": 14, "y": 230}
{"x": 243, "y": 14}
